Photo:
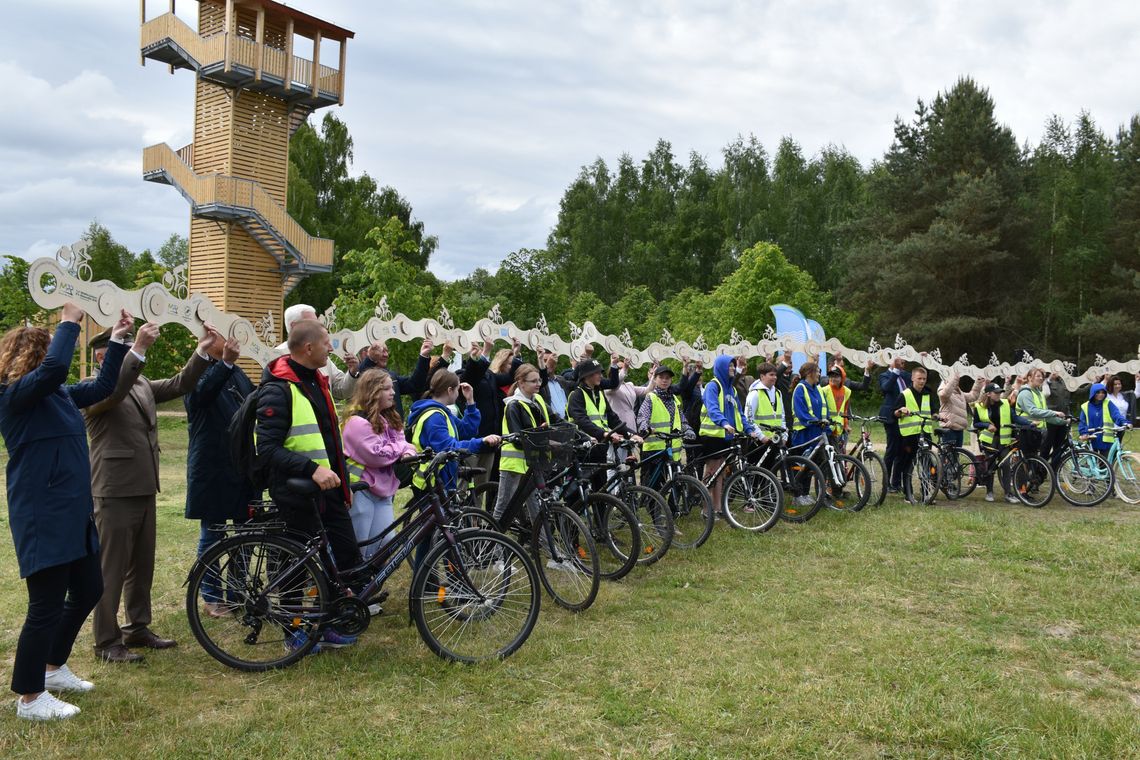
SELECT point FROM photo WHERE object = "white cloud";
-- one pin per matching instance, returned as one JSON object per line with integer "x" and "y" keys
{"x": 481, "y": 113}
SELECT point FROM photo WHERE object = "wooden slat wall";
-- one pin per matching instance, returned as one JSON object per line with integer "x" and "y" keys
{"x": 211, "y": 16}
{"x": 261, "y": 142}
{"x": 213, "y": 128}
{"x": 208, "y": 246}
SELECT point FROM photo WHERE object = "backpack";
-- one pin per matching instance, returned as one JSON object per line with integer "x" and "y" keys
{"x": 243, "y": 451}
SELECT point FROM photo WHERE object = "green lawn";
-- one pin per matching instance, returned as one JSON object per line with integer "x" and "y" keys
{"x": 973, "y": 630}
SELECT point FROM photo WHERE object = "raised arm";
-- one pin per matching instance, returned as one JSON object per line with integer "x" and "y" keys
{"x": 88, "y": 392}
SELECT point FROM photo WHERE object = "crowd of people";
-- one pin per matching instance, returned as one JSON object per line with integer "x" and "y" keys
{"x": 83, "y": 468}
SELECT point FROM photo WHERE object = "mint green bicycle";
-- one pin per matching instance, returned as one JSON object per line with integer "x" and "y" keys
{"x": 1126, "y": 467}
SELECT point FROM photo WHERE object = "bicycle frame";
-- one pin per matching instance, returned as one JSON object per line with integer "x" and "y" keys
{"x": 423, "y": 516}
{"x": 732, "y": 458}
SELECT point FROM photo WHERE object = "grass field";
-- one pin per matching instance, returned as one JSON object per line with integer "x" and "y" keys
{"x": 972, "y": 630}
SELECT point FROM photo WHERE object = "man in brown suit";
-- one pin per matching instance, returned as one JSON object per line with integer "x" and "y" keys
{"x": 123, "y": 430}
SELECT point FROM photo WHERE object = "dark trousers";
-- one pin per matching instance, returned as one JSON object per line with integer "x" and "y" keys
{"x": 126, "y": 541}
{"x": 59, "y": 599}
{"x": 1030, "y": 442}
{"x": 892, "y": 454}
{"x": 904, "y": 460}
{"x": 993, "y": 456}
{"x": 338, "y": 527}
{"x": 599, "y": 475}
{"x": 1054, "y": 444}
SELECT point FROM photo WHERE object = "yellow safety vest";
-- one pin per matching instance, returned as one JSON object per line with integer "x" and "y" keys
{"x": 1107, "y": 434}
{"x": 511, "y": 458}
{"x": 797, "y": 424}
{"x": 765, "y": 413}
{"x": 1005, "y": 426}
{"x": 596, "y": 414}
{"x": 661, "y": 422}
{"x": 304, "y": 435}
{"x": 912, "y": 424}
{"x": 835, "y": 414}
{"x": 712, "y": 430}
{"x": 419, "y": 477}
{"x": 1039, "y": 400}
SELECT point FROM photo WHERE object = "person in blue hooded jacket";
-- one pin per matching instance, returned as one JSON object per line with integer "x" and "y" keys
{"x": 809, "y": 411}
{"x": 722, "y": 419}
{"x": 1100, "y": 415}
{"x": 50, "y": 509}
{"x": 435, "y": 427}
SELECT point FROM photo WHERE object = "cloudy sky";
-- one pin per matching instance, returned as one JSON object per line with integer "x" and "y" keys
{"x": 481, "y": 113}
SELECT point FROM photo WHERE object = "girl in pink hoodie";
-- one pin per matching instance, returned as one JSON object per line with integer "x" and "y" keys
{"x": 373, "y": 442}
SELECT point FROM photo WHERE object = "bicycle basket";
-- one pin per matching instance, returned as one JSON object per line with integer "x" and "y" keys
{"x": 549, "y": 446}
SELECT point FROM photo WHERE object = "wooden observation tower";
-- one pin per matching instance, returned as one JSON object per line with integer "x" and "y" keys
{"x": 253, "y": 89}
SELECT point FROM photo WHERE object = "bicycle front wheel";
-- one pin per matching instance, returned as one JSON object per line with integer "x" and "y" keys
{"x": 691, "y": 505}
{"x": 959, "y": 473}
{"x": 613, "y": 526}
{"x": 274, "y": 600}
{"x": 1127, "y": 471}
{"x": 925, "y": 477}
{"x": 1084, "y": 478}
{"x": 877, "y": 470}
{"x": 752, "y": 499}
{"x": 1032, "y": 481}
{"x": 566, "y": 558}
{"x": 803, "y": 488}
{"x": 851, "y": 491}
{"x": 485, "y": 616}
{"x": 654, "y": 520}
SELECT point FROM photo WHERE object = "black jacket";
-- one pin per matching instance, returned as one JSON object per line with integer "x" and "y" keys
{"x": 412, "y": 385}
{"x": 485, "y": 385}
{"x": 576, "y": 409}
{"x": 215, "y": 491}
{"x": 274, "y": 418}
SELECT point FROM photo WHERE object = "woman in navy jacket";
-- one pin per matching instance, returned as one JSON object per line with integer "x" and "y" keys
{"x": 50, "y": 510}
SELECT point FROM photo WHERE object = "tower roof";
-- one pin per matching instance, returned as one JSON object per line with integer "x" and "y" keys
{"x": 303, "y": 23}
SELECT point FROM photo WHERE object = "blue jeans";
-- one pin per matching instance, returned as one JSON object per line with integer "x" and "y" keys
{"x": 371, "y": 515}
{"x": 952, "y": 437}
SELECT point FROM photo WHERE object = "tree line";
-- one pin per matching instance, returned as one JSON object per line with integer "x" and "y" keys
{"x": 958, "y": 237}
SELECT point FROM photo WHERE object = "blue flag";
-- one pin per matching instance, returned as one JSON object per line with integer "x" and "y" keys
{"x": 791, "y": 323}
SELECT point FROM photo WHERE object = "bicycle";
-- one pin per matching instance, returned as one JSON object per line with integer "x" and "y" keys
{"x": 654, "y": 518}
{"x": 839, "y": 472}
{"x": 1126, "y": 467}
{"x": 800, "y": 478}
{"x": 609, "y": 520}
{"x": 686, "y": 496}
{"x": 864, "y": 451}
{"x": 1084, "y": 477}
{"x": 959, "y": 475}
{"x": 562, "y": 547}
{"x": 923, "y": 478}
{"x": 474, "y": 597}
{"x": 1027, "y": 479}
{"x": 751, "y": 498}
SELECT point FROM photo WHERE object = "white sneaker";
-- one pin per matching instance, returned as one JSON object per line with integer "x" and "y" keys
{"x": 64, "y": 680}
{"x": 563, "y": 565}
{"x": 804, "y": 501}
{"x": 989, "y": 496}
{"x": 45, "y": 707}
